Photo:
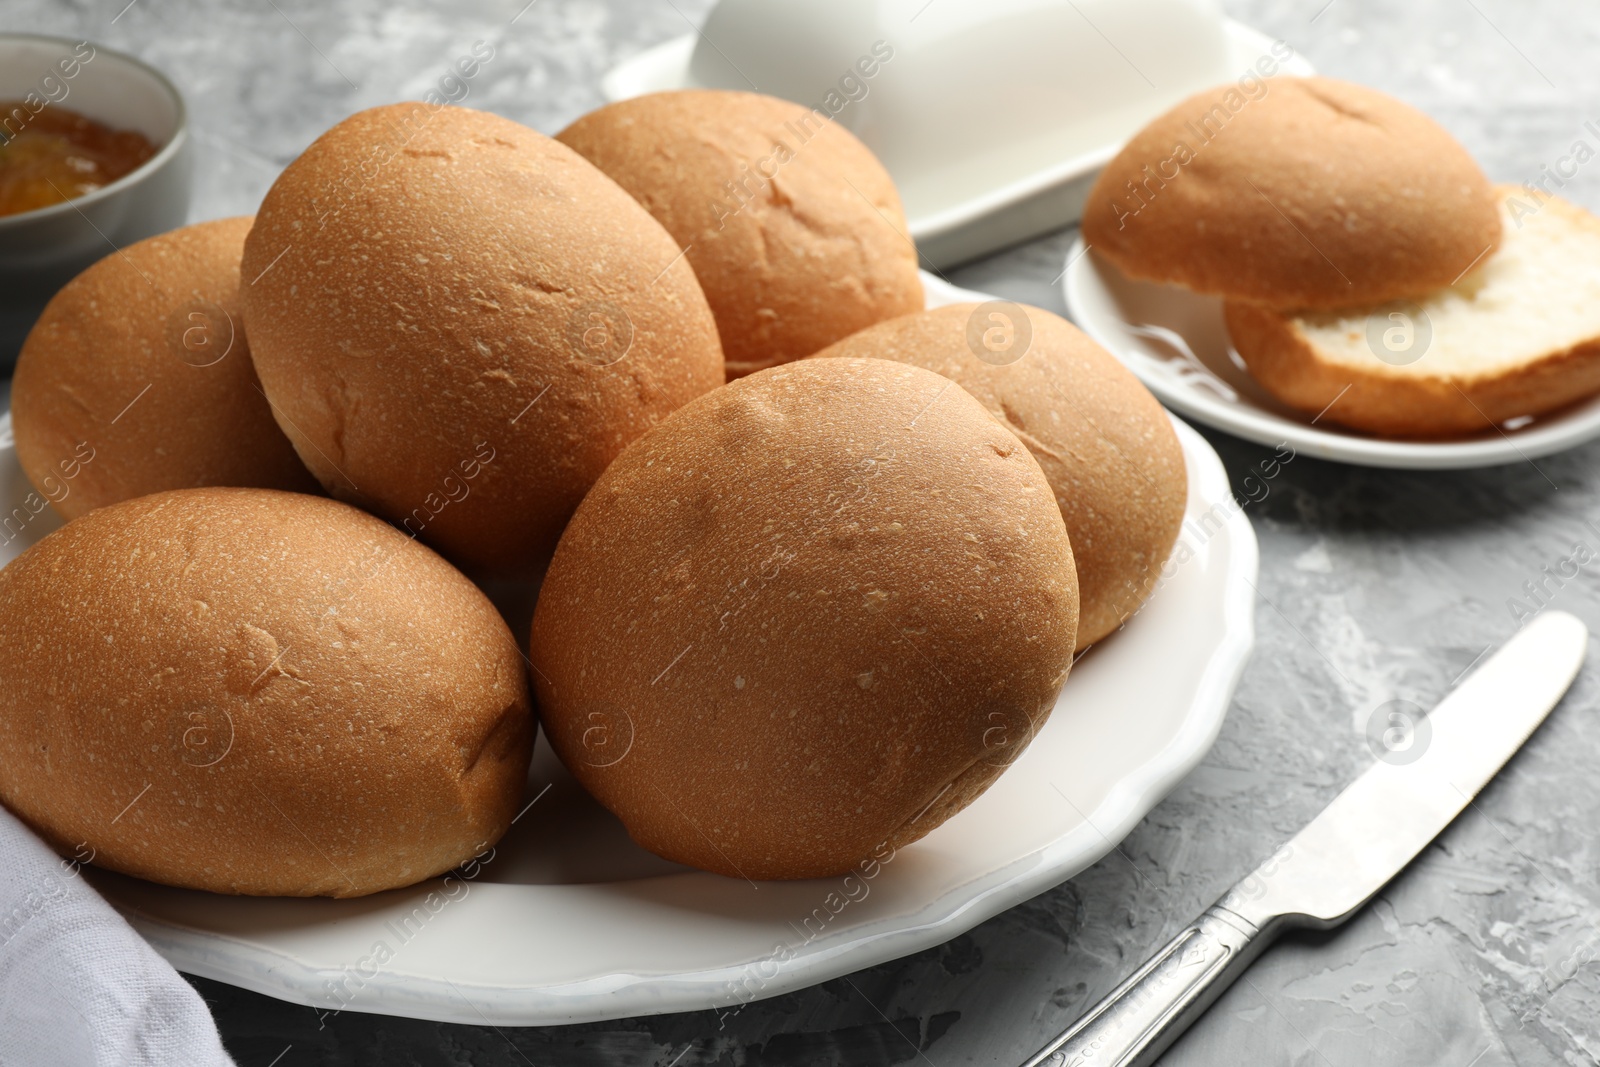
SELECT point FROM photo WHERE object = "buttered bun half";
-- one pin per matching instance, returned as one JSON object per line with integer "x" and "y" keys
{"x": 1105, "y": 444}
{"x": 814, "y": 612}
{"x": 137, "y": 378}
{"x": 792, "y": 225}
{"x": 249, "y": 691}
{"x": 1305, "y": 193}
{"x": 460, "y": 323}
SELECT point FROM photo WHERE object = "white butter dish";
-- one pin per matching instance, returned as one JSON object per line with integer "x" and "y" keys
{"x": 993, "y": 119}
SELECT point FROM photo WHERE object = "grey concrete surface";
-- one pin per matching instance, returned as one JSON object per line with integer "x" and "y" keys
{"x": 1374, "y": 585}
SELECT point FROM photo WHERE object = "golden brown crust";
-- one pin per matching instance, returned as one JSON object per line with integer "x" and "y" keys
{"x": 1317, "y": 194}
{"x": 249, "y": 691}
{"x": 434, "y": 299}
{"x": 792, "y": 225}
{"x": 137, "y": 377}
{"x": 1378, "y": 401}
{"x": 1105, "y": 444}
{"x": 810, "y": 607}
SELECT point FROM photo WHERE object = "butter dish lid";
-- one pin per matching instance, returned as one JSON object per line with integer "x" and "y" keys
{"x": 992, "y": 119}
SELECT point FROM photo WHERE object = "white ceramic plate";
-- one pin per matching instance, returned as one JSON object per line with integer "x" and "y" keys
{"x": 570, "y": 921}
{"x": 1177, "y": 343}
{"x": 955, "y": 228}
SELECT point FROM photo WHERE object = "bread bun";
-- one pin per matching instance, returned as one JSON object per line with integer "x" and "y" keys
{"x": 818, "y": 610}
{"x": 1310, "y": 193}
{"x": 1106, "y": 446}
{"x": 1519, "y": 336}
{"x": 137, "y": 378}
{"x": 249, "y": 691}
{"x": 792, "y": 225}
{"x": 460, "y": 323}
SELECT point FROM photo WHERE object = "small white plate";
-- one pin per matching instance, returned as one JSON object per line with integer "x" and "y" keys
{"x": 569, "y": 921}
{"x": 1176, "y": 341}
{"x": 956, "y": 228}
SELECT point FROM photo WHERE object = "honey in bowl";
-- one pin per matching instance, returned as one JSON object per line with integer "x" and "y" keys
{"x": 58, "y": 155}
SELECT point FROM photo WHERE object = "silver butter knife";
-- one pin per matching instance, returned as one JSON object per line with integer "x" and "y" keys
{"x": 1371, "y": 830}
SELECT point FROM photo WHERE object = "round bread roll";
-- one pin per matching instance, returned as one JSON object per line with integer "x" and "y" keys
{"x": 1105, "y": 444}
{"x": 250, "y": 691}
{"x": 460, "y": 323}
{"x": 817, "y": 611}
{"x": 1306, "y": 193}
{"x": 137, "y": 378}
{"x": 793, "y": 226}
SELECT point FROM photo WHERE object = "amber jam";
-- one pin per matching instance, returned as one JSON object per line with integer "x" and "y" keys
{"x": 57, "y": 155}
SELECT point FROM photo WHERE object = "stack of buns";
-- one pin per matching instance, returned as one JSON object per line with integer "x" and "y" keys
{"x": 1371, "y": 274}
{"x": 783, "y": 620}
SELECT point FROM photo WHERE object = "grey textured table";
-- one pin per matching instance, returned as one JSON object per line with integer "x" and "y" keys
{"x": 1374, "y": 586}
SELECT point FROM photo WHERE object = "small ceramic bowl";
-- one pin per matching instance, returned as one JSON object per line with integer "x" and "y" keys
{"x": 42, "y": 250}
{"x": 992, "y": 118}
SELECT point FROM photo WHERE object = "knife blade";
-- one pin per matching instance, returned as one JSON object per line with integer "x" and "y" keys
{"x": 1360, "y": 841}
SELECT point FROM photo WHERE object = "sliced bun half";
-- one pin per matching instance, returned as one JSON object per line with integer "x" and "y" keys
{"x": 1294, "y": 193}
{"x": 1517, "y": 337}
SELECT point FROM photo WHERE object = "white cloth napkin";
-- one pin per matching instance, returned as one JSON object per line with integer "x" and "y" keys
{"x": 78, "y": 988}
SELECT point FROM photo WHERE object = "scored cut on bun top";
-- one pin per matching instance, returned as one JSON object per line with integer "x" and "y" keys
{"x": 1295, "y": 193}
{"x": 461, "y": 322}
{"x": 1105, "y": 444}
{"x": 793, "y": 226}
{"x": 249, "y": 691}
{"x": 137, "y": 378}
{"x": 816, "y": 611}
